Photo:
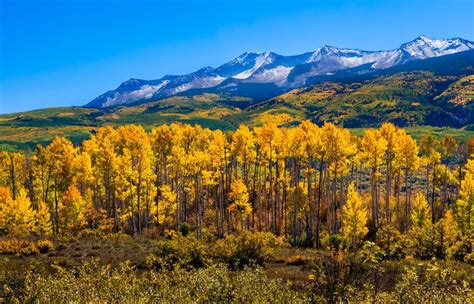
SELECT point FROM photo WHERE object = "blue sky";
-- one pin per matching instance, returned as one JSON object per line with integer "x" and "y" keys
{"x": 67, "y": 52}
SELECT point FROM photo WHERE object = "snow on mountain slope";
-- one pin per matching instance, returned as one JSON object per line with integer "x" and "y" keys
{"x": 260, "y": 60}
{"x": 280, "y": 71}
{"x": 144, "y": 92}
{"x": 272, "y": 75}
{"x": 426, "y": 47}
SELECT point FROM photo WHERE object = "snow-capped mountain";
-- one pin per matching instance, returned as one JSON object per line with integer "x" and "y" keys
{"x": 283, "y": 72}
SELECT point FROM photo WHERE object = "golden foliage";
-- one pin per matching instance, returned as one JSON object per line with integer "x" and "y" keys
{"x": 354, "y": 217}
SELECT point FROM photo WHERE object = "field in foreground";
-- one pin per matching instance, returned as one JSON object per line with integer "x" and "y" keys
{"x": 256, "y": 268}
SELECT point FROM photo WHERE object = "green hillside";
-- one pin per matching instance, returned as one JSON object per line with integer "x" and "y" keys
{"x": 420, "y": 101}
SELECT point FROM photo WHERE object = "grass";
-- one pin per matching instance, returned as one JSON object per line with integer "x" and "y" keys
{"x": 90, "y": 262}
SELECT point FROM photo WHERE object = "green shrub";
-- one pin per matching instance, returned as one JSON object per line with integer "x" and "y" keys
{"x": 423, "y": 243}
{"x": 246, "y": 249}
{"x": 436, "y": 285}
{"x": 89, "y": 233}
{"x": 392, "y": 242}
{"x": 180, "y": 251}
{"x": 184, "y": 228}
{"x": 370, "y": 254}
{"x": 332, "y": 276}
{"x": 336, "y": 242}
{"x": 461, "y": 250}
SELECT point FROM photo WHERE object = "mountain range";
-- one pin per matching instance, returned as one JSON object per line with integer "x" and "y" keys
{"x": 426, "y": 85}
{"x": 260, "y": 76}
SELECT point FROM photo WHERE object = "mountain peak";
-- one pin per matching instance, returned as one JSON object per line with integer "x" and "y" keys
{"x": 132, "y": 80}
{"x": 426, "y": 47}
{"x": 329, "y": 48}
{"x": 279, "y": 72}
{"x": 424, "y": 37}
{"x": 131, "y": 83}
{"x": 205, "y": 69}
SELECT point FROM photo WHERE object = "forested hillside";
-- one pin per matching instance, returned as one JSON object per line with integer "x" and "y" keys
{"x": 408, "y": 99}
{"x": 237, "y": 197}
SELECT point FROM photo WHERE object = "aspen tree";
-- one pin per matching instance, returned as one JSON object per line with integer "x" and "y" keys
{"x": 407, "y": 159}
{"x": 355, "y": 217}
{"x": 12, "y": 171}
{"x": 240, "y": 200}
{"x": 465, "y": 203}
{"x": 374, "y": 149}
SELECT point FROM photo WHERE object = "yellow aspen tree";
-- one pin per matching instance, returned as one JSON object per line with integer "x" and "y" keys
{"x": 355, "y": 217}
{"x": 162, "y": 143}
{"x": 449, "y": 232}
{"x": 266, "y": 139}
{"x": 60, "y": 153}
{"x": 239, "y": 197}
{"x": 83, "y": 174}
{"x": 420, "y": 214}
{"x": 42, "y": 221}
{"x": 102, "y": 148}
{"x": 200, "y": 161}
{"x": 431, "y": 158}
{"x": 316, "y": 153}
{"x": 465, "y": 203}
{"x": 295, "y": 148}
{"x": 138, "y": 161}
{"x": 448, "y": 150}
{"x": 72, "y": 210}
{"x": 408, "y": 161}
{"x": 218, "y": 176}
{"x": 242, "y": 147}
{"x": 389, "y": 132}
{"x": 422, "y": 230}
{"x": 340, "y": 148}
{"x": 164, "y": 211}
{"x": 16, "y": 215}
{"x": 12, "y": 171}
{"x": 312, "y": 138}
{"x": 5, "y": 202}
{"x": 374, "y": 147}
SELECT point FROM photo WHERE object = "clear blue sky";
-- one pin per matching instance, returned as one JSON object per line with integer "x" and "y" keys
{"x": 67, "y": 52}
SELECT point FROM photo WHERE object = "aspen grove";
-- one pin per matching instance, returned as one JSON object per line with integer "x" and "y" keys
{"x": 304, "y": 183}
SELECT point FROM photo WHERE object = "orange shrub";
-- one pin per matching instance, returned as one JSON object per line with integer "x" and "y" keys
{"x": 45, "y": 246}
{"x": 20, "y": 247}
